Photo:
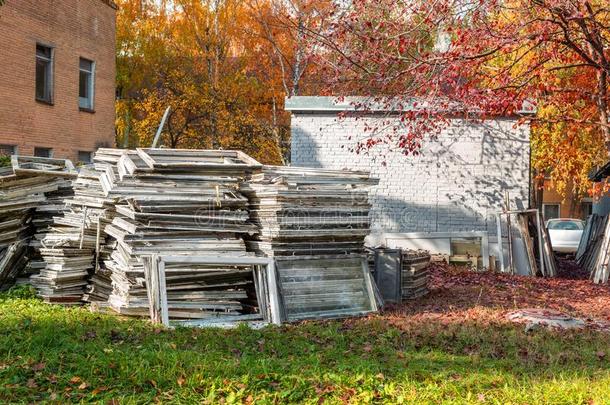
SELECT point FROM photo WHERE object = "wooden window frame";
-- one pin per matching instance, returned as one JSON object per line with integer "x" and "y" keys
{"x": 91, "y": 106}
{"x": 50, "y": 75}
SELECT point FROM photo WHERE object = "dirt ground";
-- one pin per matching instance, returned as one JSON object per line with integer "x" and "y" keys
{"x": 459, "y": 295}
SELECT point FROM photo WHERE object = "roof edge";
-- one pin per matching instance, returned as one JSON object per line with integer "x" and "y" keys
{"x": 374, "y": 105}
{"x": 601, "y": 173}
{"x": 111, "y": 4}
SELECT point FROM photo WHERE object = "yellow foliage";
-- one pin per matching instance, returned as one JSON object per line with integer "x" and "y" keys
{"x": 196, "y": 58}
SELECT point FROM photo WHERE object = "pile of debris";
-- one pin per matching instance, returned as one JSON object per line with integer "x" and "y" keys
{"x": 178, "y": 232}
{"x": 305, "y": 211}
{"x": 29, "y": 193}
{"x": 415, "y": 273}
{"x": 401, "y": 274}
{"x": 179, "y": 202}
{"x": 593, "y": 252}
{"x": 529, "y": 249}
{"x": 91, "y": 196}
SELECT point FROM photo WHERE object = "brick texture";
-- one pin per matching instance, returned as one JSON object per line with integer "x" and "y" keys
{"x": 456, "y": 183}
{"x": 74, "y": 28}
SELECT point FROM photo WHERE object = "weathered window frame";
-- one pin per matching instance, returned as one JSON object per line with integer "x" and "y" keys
{"x": 265, "y": 280}
{"x": 48, "y": 62}
{"x": 86, "y": 103}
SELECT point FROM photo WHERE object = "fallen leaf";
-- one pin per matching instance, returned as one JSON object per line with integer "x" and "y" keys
{"x": 38, "y": 367}
{"x": 83, "y": 386}
{"x": 153, "y": 383}
{"x": 75, "y": 380}
{"x": 99, "y": 389}
{"x": 181, "y": 380}
{"x": 31, "y": 383}
{"x": 601, "y": 355}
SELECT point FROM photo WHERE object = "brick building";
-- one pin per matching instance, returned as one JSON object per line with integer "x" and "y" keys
{"x": 57, "y": 77}
{"x": 554, "y": 205}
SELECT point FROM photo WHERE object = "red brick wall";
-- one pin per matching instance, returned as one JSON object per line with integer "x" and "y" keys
{"x": 74, "y": 28}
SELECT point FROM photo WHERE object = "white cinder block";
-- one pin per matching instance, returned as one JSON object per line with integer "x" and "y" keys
{"x": 456, "y": 184}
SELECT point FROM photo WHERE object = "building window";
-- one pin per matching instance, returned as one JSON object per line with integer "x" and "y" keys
{"x": 7, "y": 150}
{"x": 44, "y": 73}
{"x": 550, "y": 211}
{"x": 84, "y": 156}
{"x": 86, "y": 84}
{"x": 43, "y": 152}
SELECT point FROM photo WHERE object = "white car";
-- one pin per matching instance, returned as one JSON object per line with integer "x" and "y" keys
{"x": 565, "y": 234}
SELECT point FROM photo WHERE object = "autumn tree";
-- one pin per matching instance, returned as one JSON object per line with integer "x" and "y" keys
{"x": 189, "y": 55}
{"x": 288, "y": 30}
{"x": 486, "y": 59}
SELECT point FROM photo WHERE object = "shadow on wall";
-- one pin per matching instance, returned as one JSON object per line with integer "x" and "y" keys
{"x": 456, "y": 183}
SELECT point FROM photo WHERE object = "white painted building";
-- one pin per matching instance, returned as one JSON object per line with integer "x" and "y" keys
{"x": 456, "y": 184}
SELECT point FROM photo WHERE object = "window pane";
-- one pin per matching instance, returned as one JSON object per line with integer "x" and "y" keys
{"x": 85, "y": 64}
{"x": 551, "y": 211}
{"x": 44, "y": 66}
{"x": 41, "y": 79}
{"x": 43, "y": 51}
{"x": 42, "y": 152}
{"x": 84, "y": 156}
{"x": 566, "y": 225}
{"x": 83, "y": 84}
{"x": 7, "y": 150}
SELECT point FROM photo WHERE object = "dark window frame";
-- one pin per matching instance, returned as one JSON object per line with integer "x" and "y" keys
{"x": 6, "y": 146}
{"x": 89, "y": 104}
{"x": 545, "y": 205}
{"x": 49, "y": 73}
{"x": 39, "y": 149}
{"x": 90, "y": 158}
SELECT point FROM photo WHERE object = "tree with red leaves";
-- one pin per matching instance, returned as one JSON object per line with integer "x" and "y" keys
{"x": 479, "y": 58}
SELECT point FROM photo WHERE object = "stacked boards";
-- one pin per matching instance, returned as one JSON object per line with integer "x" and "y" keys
{"x": 313, "y": 222}
{"x": 533, "y": 254}
{"x": 68, "y": 244}
{"x": 415, "y": 273}
{"x": 401, "y": 274}
{"x": 179, "y": 202}
{"x": 28, "y": 185}
{"x": 306, "y": 211}
{"x": 593, "y": 252}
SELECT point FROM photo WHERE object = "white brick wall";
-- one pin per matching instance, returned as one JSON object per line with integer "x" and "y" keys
{"x": 456, "y": 184}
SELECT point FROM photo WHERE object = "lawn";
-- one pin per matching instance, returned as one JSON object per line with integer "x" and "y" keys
{"x": 453, "y": 347}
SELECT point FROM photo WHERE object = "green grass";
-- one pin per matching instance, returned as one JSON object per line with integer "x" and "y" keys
{"x": 72, "y": 355}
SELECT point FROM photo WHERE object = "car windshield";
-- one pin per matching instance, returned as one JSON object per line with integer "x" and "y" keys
{"x": 566, "y": 225}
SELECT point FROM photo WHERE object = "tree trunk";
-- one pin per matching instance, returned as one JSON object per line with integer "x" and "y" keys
{"x": 276, "y": 134}
{"x": 298, "y": 56}
{"x": 602, "y": 105}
